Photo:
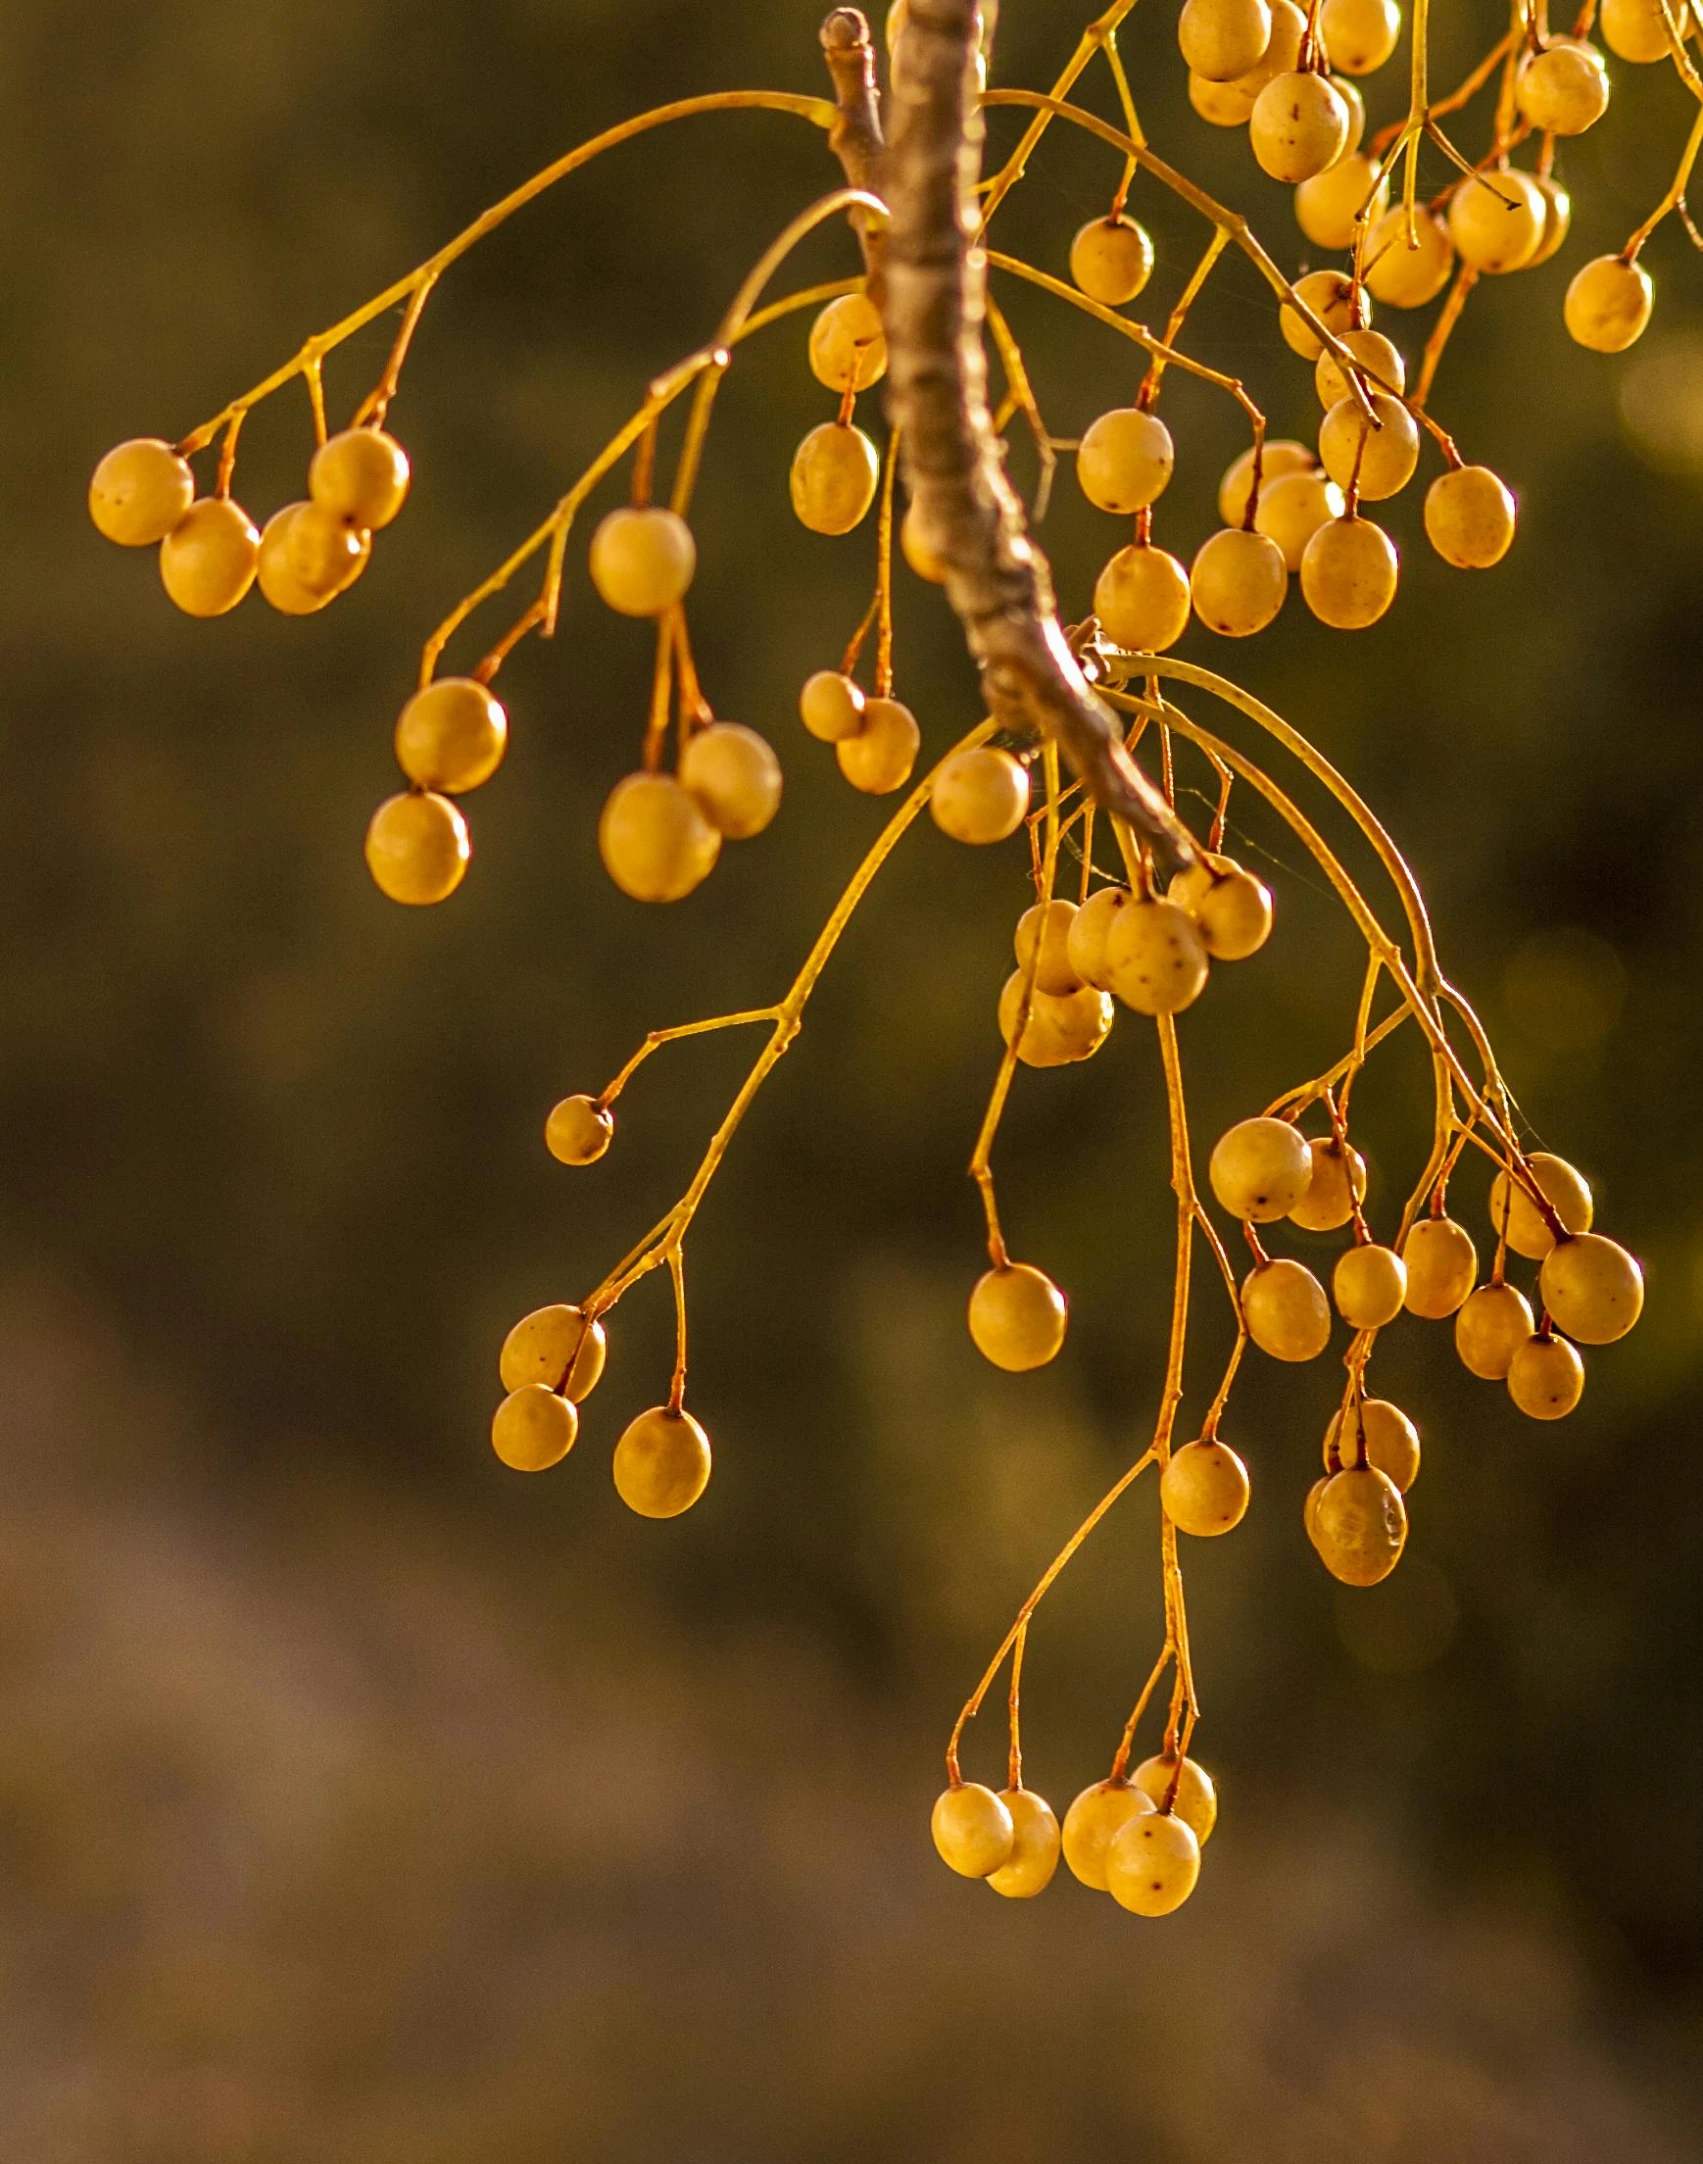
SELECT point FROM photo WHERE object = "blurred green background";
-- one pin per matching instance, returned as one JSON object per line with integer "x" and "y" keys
{"x": 362, "y": 1802}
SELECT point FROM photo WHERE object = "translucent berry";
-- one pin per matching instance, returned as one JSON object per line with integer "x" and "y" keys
{"x": 1111, "y": 259}
{"x": 1442, "y": 1265}
{"x": 1239, "y": 582}
{"x": 1293, "y": 508}
{"x": 1062, "y": 1027}
{"x": 1348, "y": 573}
{"x": 1608, "y": 304}
{"x": 834, "y": 475}
{"x": 1546, "y": 1377}
{"x": 1226, "y": 105}
{"x": 1282, "y": 455}
{"x": 848, "y": 348}
{"x": 1124, "y": 460}
{"x": 1142, "y": 599}
{"x": 417, "y": 847}
{"x": 1349, "y": 93}
{"x": 662, "y": 1463}
{"x": 534, "y": 1428}
{"x": 1515, "y": 1214}
{"x": 1408, "y": 276}
{"x": 1260, "y": 1169}
{"x": 452, "y": 735}
{"x": 1557, "y": 217}
{"x": 1382, "y": 1434}
{"x": 209, "y": 559}
{"x": 655, "y": 842}
{"x": 1196, "y": 1799}
{"x": 1017, "y": 1317}
{"x": 1048, "y": 924}
{"x": 980, "y": 795}
{"x": 1282, "y": 50}
{"x": 972, "y": 1829}
{"x": 361, "y": 476}
{"x": 1490, "y": 1327}
{"x": 139, "y": 492}
{"x": 1337, "y": 1184}
{"x": 1230, "y": 907}
{"x": 325, "y": 553}
{"x": 831, "y": 706}
{"x": 1310, "y": 1508}
{"x": 1330, "y": 295}
{"x": 1469, "y": 518}
{"x": 642, "y": 560}
{"x": 1093, "y": 1821}
{"x": 1377, "y": 353}
{"x": 1222, "y": 39}
{"x": 1592, "y": 1287}
{"x": 1029, "y": 1869}
{"x": 1370, "y": 1286}
{"x": 734, "y": 777}
{"x": 1328, "y": 205}
{"x": 578, "y": 1130}
{"x": 1090, "y": 931}
{"x": 1153, "y": 1862}
{"x": 1155, "y": 957}
{"x": 1496, "y": 220}
{"x": 275, "y": 573}
{"x": 923, "y": 559}
{"x": 1299, "y": 126}
{"x": 1636, "y": 30}
{"x": 557, "y": 1347}
{"x": 1360, "y": 1525}
{"x": 880, "y": 757}
{"x": 1360, "y": 35}
{"x": 1205, "y": 1488}
{"x": 1563, "y": 90}
{"x": 1383, "y": 451}
{"x": 1286, "y": 1310}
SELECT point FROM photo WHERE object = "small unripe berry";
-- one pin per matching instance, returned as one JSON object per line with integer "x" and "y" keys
{"x": 209, "y": 559}
{"x": 1260, "y": 1169}
{"x": 1383, "y": 455}
{"x": 1370, "y": 1286}
{"x": 1299, "y": 126}
{"x": 1442, "y": 1264}
{"x": 880, "y": 757}
{"x": 1196, "y": 1798}
{"x": 980, "y": 795}
{"x": 1017, "y": 1317}
{"x": 1546, "y": 1377}
{"x": 1282, "y": 455}
{"x": 139, "y": 492}
{"x": 1327, "y": 206}
{"x": 848, "y": 348}
{"x": 1091, "y": 930}
{"x": 1286, "y": 1311}
{"x": 1152, "y": 1864}
{"x": 1408, "y": 277}
{"x": 1513, "y": 1212}
{"x": 578, "y": 1130}
{"x": 1239, "y": 582}
{"x": 1111, "y": 259}
{"x": 533, "y": 1428}
{"x": 1373, "y": 349}
{"x": 642, "y": 560}
{"x": 1490, "y": 1327}
{"x": 1360, "y": 35}
{"x": 1608, "y": 304}
{"x": 1390, "y": 1441}
{"x": 1204, "y": 1489}
{"x": 1337, "y": 1184}
{"x": 972, "y": 1829}
{"x": 1155, "y": 957}
{"x": 417, "y": 848}
{"x": 1496, "y": 221}
{"x": 361, "y": 476}
{"x": 1142, "y": 599}
{"x": 734, "y": 777}
{"x": 1229, "y": 905}
{"x": 452, "y": 735}
{"x": 831, "y": 706}
{"x": 1048, "y": 923}
{"x": 835, "y": 471}
{"x": 1062, "y": 1027}
{"x": 1293, "y": 508}
{"x": 655, "y": 842}
{"x": 1348, "y": 573}
{"x": 1636, "y": 30}
{"x": 1029, "y": 1869}
{"x": 1222, "y": 39}
{"x": 1563, "y": 90}
{"x": 1592, "y": 1287}
{"x": 1125, "y": 460}
{"x": 1330, "y": 295}
{"x": 557, "y": 1347}
{"x": 1469, "y": 518}
{"x": 1360, "y": 1525}
{"x": 1094, "y": 1821}
{"x": 662, "y": 1463}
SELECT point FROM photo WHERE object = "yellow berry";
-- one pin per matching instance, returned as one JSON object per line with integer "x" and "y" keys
{"x": 1034, "y": 1846}
{"x": 578, "y": 1130}
{"x": 880, "y": 757}
{"x": 834, "y": 475}
{"x": 1090, "y": 930}
{"x": 1226, "y": 105}
{"x": 1546, "y": 1378}
{"x": 1048, "y": 924}
{"x": 1281, "y": 456}
{"x": 1360, "y": 35}
{"x": 1337, "y": 1184}
{"x": 1563, "y": 90}
{"x": 361, "y": 476}
{"x": 1299, "y": 126}
{"x": 1293, "y": 508}
{"x": 1286, "y": 1311}
{"x": 1155, "y": 957}
{"x": 1490, "y": 1327}
{"x": 1349, "y": 93}
{"x": 655, "y": 842}
{"x": 1557, "y": 217}
{"x": 1017, "y": 1317}
{"x": 662, "y": 1463}
{"x": 1204, "y": 1489}
{"x": 1111, "y": 259}
{"x": 1374, "y": 351}
{"x": 1062, "y": 1027}
{"x": 923, "y": 559}
{"x": 642, "y": 560}
{"x": 1124, "y": 460}
{"x": 1592, "y": 1287}
{"x": 534, "y": 1428}
{"x": 1382, "y": 452}
{"x": 972, "y": 1829}
{"x": 1310, "y": 1508}
{"x": 1636, "y": 30}
{"x": 452, "y": 735}
{"x": 1408, "y": 276}
{"x": 1329, "y": 205}
{"x": 324, "y": 552}
{"x": 1153, "y": 1862}
{"x": 209, "y": 559}
{"x": 1142, "y": 599}
{"x": 1222, "y": 39}
{"x": 1360, "y": 1525}
{"x": 1330, "y": 295}
{"x": 1496, "y": 219}
{"x": 557, "y": 1347}
{"x": 1370, "y": 1286}
{"x": 1383, "y": 1434}
{"x": 1282, "y": 50}
{"x": 1348, "y": 573}
{"x": 139, "y": 492}
{"x": 1469, "y": 518}
{"x": 1513, "y": 1212}
{"x": 848, "y": 348}
{"x": 831, "y": 706}
{"x": 417, "y": 848}
{"x": 1259, "y": 1170}
{"x": 980, "y": 795}
{"x": 1608, "y": 304}
{"x": 1093, "y": 1821}
{"x": 1442, "y": 1264}
{"x": 1239, "y": 582}
{"x": 275, "y": 573}
{"x": 1230, "y": 906}
{"x": 734, "y": 777}
{"x": 1196, "y": 1798}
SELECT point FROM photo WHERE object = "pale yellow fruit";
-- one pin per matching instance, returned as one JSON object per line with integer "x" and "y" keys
{"x": 1048, "y": 925}
{"x": 1062, "y": 1027}
{"x": 1282, "y": 49}
{"x": 1259, "y": 1170}
{"x": 655, "y": 842}
{"x": 1557, "y": 217}
{"x": 1093, "y": 1822}
{"x": 139, "y": 491}
{"x": 324, "y": 552}
{"x": 557, "y": 1347}
{"x": 452, "y": 735}
{"x": 1442, "y": 1264}
{"x": 275, "y": 574}
{"x": 1299, "y": 126}
{"x": 980, "y": 795}
{"x": 1381, "y": 453}
{"x": 1360, "y": 1525}
{"x": 1388, "y": 369}
{"x": 1382, "y": 1434}
{"x": 1469, "y": 518}
{"x": 533, "y": 1428}
{"x": 1348, "y": 573}
{"x": 1204, "y": 1489}
{"x": 1282, "y": 456}
{"x": 733, "y": 776}
{"x": 1592, "y": 1287}
{"x": 1330, "y": 295}
{"x": 209, "y": 559}
{"x": 361, "y": 476}
{"x": 1349, "y": 93}
{"x": 642, "y": 560}
{"x": 578, "y": 1130}
{"x": 1514, "y": 1213}
{"x": 1546, "y": 1378}
{"x": 1310, "y": 1508}
{"x": 1142, "y": 599}
{"x": 1124, "y": 460}
{"x": 1490, "y": 1327}
{"x": 831, "y": 706}
{"x": 1231, "y": 908}
{"x": 1111, "y": 259}
{"x": 1029, "y": 1869}
{"x": 972, "y": 1829}
{"x": 1328, "y": 205}
{"x": 1239, "y": 582}
{"x": 1017, "y": 1317}
{"x": 1637, "y": 30}
{"x": 1226, "y": 105}
{"x": 1222, "y": 39}
{"x": 1196, "y": 1799}
{"x": 1360, "y": 35}
{"x": 662, "y": 1463}
{"x": 1496, "y": 220}
{"x": 835, "y": 471}
{"x": 880, "y": 757}
{"x": 1608, "y": 305}
{"x": 923, "y": 559}
{"x": 1369, "y": 1285}
{"x": 848, "y": 348}
{"x": 1293, "y": 508}
{"x": 1337, "y": 1184}
{"x": 1152, "y": 1864}
{"x": 417, "y": 848}
{"x": 1408, "y": 276}
{"x": 1090, "y": 932}
{"x": 1285, "y": 1309}
{"x": 1564, "y": 89}
{"x": 1155, "y": 957}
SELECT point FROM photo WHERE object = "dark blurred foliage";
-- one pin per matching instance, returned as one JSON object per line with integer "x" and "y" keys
{"x": 359, "y": 1800}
